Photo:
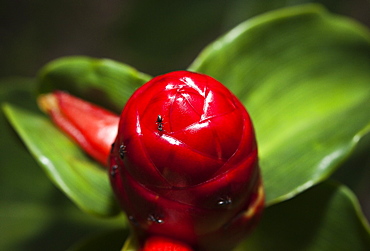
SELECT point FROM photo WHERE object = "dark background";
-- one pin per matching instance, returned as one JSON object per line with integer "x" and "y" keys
{"x": 152, "y": 36}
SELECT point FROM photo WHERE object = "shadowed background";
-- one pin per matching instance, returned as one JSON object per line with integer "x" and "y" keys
{"x": 154, "y": 37}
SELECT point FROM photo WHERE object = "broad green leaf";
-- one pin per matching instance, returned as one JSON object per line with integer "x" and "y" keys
{"x": 14, "y": 157}
{"x": 34, "y": 214}
{"x": 325, "y": 217}
{"x": 102, "y": 81}
{"x": 304, "y": 76}
{"x": 82, "y": 179}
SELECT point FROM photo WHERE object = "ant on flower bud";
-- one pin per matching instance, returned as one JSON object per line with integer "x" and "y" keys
{"x": 159, "y": 122}
{"x": 224, "y": 201}
{"x": 122, "y": 151}
{"x": 155, "y": 218}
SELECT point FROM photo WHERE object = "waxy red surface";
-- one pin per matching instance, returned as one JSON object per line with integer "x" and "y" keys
{"x": 184, "y": 164}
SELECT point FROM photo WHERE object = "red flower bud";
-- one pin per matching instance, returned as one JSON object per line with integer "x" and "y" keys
{"x": 92, "y": 127}
{"x": 184, "y": 163}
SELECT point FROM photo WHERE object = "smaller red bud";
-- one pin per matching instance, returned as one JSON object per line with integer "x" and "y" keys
{"x": 157, "y": 243}
{"x": 91, "y": 126}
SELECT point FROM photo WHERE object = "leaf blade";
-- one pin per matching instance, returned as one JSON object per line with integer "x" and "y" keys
{"x": 102, "y": 81}
{"x": 80, "y": 178}
{"x": 302, "y": 73}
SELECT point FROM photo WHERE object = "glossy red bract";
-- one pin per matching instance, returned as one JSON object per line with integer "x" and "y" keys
{"x": 184, "y": 163}
{"x": 156, "y": 243}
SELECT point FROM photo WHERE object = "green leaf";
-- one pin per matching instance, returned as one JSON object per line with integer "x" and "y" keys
{"x": 34, "y": 213}
{"x": 83, "y": 180}
{"x": 13, "y": 153}
{"x": 325, "y": 217}
{"x": 101, "y": 81}
{"x": 303, "y": 74}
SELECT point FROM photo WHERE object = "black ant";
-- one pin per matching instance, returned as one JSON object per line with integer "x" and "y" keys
{"x": 224, "y": 201}
{"x": 159, "y": 122}
{"x": 122, "y": 151}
